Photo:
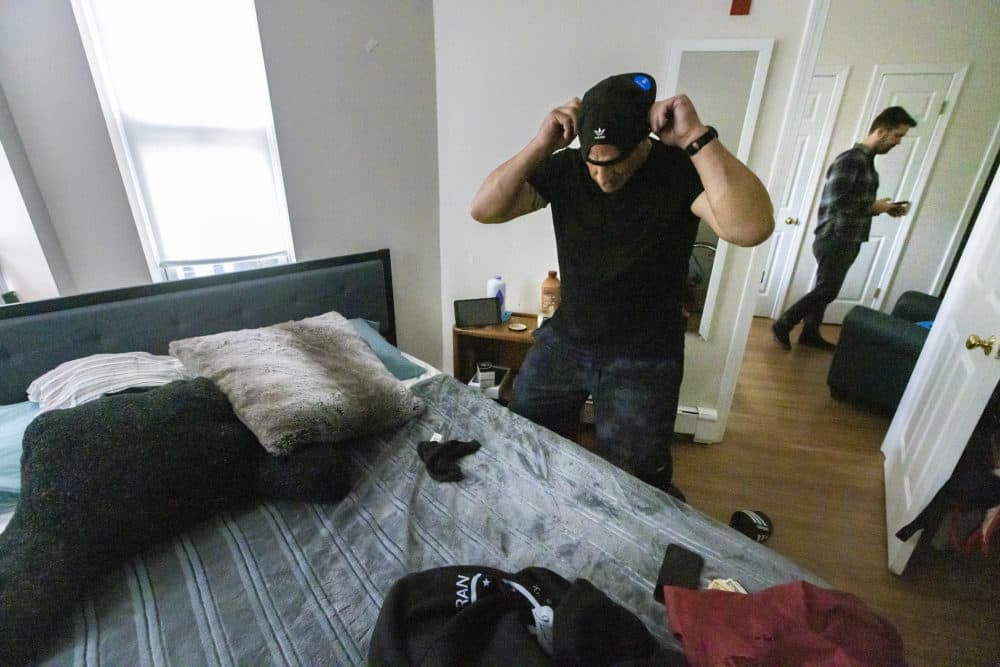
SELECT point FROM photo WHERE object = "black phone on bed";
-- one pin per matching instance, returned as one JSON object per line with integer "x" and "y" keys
{"x": 680, "y": 567}
{"x": 477, "y": 312}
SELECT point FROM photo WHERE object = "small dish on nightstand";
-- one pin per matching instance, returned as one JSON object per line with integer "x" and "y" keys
{"x": 517, "y": 326}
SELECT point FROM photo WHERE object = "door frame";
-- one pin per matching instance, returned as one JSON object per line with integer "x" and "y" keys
{"x": 764, "y": 49}
{"x": 868, "y": 111}
{"x": 811, "y": 201}
{"x": 965, "y": 217}
{"x": 805, "y": 63}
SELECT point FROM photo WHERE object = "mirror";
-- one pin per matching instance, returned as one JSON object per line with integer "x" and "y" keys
{"x": 725, "y": 81}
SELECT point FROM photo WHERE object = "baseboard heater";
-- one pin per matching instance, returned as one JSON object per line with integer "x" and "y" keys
{"x": 693, "y": 421}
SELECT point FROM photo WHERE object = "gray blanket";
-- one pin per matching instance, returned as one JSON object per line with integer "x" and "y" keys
{"x": 302, "y": 584}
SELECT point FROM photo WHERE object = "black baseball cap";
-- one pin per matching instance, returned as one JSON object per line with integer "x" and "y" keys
{"x": 616, "y": 112}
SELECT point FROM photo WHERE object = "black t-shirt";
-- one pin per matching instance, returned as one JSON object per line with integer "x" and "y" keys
{"x": 623, "y": 255}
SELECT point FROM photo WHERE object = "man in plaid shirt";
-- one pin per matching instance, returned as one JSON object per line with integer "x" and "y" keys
{"x": 845, "y": 219}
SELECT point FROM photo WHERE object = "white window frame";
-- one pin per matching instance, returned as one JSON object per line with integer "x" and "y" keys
{"x": 135, "y": 186}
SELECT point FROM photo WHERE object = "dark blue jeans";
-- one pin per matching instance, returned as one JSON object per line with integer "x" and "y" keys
{"x": 635, "y": 400}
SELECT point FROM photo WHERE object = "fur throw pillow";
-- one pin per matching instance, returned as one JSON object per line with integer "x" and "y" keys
{"x": 301, "y": 382}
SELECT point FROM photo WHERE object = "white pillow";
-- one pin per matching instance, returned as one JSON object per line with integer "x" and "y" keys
{"x": 74, "y": 382}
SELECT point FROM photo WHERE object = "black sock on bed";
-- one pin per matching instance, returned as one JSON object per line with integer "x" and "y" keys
{"x": 441, "y": 458}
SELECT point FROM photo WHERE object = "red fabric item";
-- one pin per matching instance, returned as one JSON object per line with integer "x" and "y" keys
{"x": 792, "y": 624}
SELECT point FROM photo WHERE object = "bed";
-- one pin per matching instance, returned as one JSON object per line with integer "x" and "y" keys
{"x": 283, "y": 582}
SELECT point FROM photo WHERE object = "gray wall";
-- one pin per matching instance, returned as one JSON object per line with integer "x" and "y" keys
{"x": 53, "y": 103}
{"x": 356, "y": 133}
{"x": 33, "y": 202}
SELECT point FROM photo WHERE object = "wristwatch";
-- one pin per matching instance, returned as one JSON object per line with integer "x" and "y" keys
{"x": 696, "y": 145}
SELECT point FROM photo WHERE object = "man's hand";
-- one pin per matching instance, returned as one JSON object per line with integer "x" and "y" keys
{"x": 675, "y": 121}
{"x": 899, "y": 209}
{"x": 883, "y": 206}
{"x": 559, "y": 126}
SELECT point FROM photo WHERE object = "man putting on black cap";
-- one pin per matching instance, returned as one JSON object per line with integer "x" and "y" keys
{"x": 625, "y": 208}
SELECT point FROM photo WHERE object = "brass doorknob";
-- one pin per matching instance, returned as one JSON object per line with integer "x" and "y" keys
{"x": 974, "y": 341}
{"x": 791, "y": 221}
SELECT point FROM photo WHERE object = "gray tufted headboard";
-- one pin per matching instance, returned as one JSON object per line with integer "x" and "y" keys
{"x": 37, "y": 336}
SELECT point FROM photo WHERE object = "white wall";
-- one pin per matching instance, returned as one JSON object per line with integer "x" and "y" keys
{"x": 355, "y": 127}
{"x": 24, "y": 267}
{"x": 918, "y": 32}
{"x": 357, "y": 137}
{"x": 52, "y": 99}
{"x": 502, "y": 66}
{"x": 37, "y": 218}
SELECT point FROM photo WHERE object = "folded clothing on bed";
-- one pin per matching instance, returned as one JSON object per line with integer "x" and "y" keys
{"x": 470, "y": 614}
{"x": 80, "y": 380}
{"x": 302, "y": 382}
{"x": 104, "y": 480}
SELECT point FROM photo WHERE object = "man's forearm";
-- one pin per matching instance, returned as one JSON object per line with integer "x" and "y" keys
{"x": 500, "y": 197}
{"x": 739, "y": 201}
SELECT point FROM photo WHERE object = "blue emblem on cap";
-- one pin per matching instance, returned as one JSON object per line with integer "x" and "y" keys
{"x": 642, "y": 81}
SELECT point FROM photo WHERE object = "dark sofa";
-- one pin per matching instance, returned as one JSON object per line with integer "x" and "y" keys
{"x": 876, "y": 352}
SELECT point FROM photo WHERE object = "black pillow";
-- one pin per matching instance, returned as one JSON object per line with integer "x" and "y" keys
{"x": 105, "y": 479}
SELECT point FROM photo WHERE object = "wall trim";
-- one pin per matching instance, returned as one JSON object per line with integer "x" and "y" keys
{"x": 841, "y": 74}
{"x": 764, "y": 49}
{"x": 965, "y": 217}
{"x": 805, "y": 64}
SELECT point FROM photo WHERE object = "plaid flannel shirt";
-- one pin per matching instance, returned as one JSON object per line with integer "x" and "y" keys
{"x": 845, "y": 210}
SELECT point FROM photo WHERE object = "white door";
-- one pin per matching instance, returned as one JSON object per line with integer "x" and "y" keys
{"x": 821, "y": 104}
{"x": 949, "y": 387}
{"x": 928, "y": 93}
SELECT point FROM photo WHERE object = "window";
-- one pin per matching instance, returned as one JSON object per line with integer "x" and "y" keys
{"x": 184, "y": 93}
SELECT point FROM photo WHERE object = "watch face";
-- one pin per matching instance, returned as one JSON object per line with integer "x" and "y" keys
{"x": 477, "y": 312}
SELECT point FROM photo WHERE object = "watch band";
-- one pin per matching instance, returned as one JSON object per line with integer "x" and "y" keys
{"x": 697, "y": 144}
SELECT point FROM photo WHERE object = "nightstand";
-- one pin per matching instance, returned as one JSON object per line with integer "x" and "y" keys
{"x": 495, "y": 343}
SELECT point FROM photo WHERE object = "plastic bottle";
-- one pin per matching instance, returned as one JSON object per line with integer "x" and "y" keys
{"x": 550, "y": 295}
{"x": 497, "y": 288}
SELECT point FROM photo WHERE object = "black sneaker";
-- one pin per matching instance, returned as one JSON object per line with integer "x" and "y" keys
{"x": 780, "y": 330}
{"x": 754, "y": 524}
{"x": 817, "y": 341}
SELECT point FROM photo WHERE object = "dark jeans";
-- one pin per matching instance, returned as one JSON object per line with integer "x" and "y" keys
{"x": 834, "y": 258}
{"x": 635, "y": 401}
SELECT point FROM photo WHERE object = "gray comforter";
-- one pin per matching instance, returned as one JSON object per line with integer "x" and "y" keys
{"x": 302, "y": 584}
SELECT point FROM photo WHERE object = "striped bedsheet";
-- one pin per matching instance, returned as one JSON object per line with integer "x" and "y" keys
{"x": 302, "y": 584}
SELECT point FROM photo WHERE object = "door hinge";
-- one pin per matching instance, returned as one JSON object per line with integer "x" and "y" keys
{"x": 944, "y": 105}
{"x": 878, "y": 290}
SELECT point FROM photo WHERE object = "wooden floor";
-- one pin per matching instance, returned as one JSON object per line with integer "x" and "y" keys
{"x": 813, "y": 465}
